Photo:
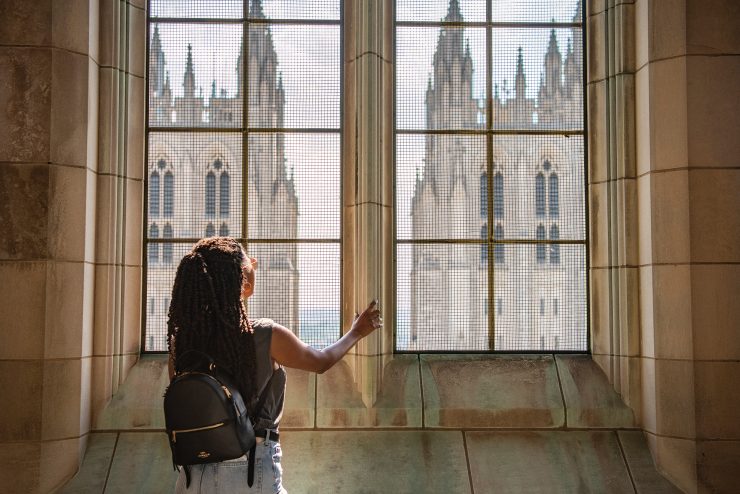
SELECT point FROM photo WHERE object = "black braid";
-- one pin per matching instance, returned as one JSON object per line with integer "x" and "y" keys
{"x": 207, "y": 314}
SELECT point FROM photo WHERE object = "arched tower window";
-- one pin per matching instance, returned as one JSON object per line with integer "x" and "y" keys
{"x": 168, "y": 201}
{"x": 484, "y": 195}
{"x": 167, "y": 247}
{"x": 498, "y": 249}
{"x": 554, "y": 248}
{"x": 541, "y": 255}
{"x": 484, "y": 246}
{"x": 223, "y": 230}
{"x": 153, "y": 247}
{"x": 210, "y": 230}
{"x": 154, "y": 194}
{"x": 554, "y": 197}
{"x": 223, "y": 199}
{"x": 210, "y": 194}
{"x": 539, "y": 195}
{"x": 498, "y": 196}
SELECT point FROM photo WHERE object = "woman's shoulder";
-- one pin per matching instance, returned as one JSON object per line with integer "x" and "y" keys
{"x": 262, "y": 323}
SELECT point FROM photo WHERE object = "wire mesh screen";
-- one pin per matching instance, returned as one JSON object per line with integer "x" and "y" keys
{"x": 243, "y": 141}
{"x": 490, "y": 176}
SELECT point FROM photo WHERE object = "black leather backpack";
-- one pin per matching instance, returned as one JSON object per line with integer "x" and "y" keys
{"x": 206, "y": 418}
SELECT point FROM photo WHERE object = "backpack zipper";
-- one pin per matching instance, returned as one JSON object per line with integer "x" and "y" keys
{"x": 205, "y": 428}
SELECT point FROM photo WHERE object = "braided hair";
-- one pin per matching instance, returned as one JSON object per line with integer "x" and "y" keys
{"x": 207, "y": 314}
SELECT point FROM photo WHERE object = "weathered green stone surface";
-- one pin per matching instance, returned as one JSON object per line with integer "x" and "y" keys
{"x": 142, "y": 463}
{"x": 90, "y": 479}
{"x": 589, "y": 397}
{"x": 646, "y": 477}
{"x": 138, "y": 402}
{"x": 503, "y": 391}
{"x": 339, "y": 402}
{"x": 371, "y": 462}
{"x": 546, "y": 462}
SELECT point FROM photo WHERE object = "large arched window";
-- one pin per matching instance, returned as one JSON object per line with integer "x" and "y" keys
{"x": 154, "y": 194}
{"x": 541, "y": 254}
{"x": 210, "y": 195}
{"x": 154, "y": 246}
{"x": 167, "y": 247}
{"x": 554, "y": 197}
{"x": 223, "y": 195}
{"x": 498, "y": 195}
{"x": 168, "y": 201}
{"x": 484, "y": 195}
{"x": 539, "y": 195}
{"x": 498, "y": 249}
{"x": 554, "y": 248}
{"x": 484, "y": 247}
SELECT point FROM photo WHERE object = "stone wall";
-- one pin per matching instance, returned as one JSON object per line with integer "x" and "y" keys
{"x": 71, "y": 155}
{"x": 664, "y": 226}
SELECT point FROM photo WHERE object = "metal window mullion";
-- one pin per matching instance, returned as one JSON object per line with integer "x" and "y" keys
{"x": 497, "y": 25}
{"x": 245, "y": 126}
{"x": 490, "y": 258}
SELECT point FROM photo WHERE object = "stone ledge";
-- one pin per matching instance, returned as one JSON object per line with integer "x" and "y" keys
{"x": 486, "y": 391}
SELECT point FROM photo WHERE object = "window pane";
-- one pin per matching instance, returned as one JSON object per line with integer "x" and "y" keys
{"x": 442, "y": 292}
{"x": 194, "y": 76}
{"x": 294, "y": 76}
{"x": 168, "y": 202}
{"x": 215, "y": 9}
{"x": 522, "y": 283}
{"x": 438, "y": 177}
{"x": 154, "y": 194}
{"x": 426, "y": 89}
{"x": 296, "y": 9}
{"x": 441, "y": 10}
{"x": 294, "y": 185}
{"x": 304, "y": 278}
{"x": 191, "y": 157}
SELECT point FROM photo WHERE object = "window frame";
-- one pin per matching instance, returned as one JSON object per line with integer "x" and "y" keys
{"x": 491, "y": 168}
{"x": 218, "y": 220}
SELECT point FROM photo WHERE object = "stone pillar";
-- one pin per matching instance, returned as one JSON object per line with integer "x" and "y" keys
{"x": 688, "y": 116}
{"x": 614, "y": 296}
{"x": 54, "y": 209}
{"x": 367, "y": 160}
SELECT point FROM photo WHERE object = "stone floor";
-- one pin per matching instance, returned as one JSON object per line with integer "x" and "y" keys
{"x": 444, "y": 424}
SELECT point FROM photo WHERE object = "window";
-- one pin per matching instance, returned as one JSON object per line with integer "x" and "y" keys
{"x": 498, "y": 248}
{"x": 210, "y": 195}
{"x": 169, "y": 199}
{"x": 539, "y": 185}
{"x": 167, "y": 247}
{"x": 488, "y": 129}
{"x": 154, "y": 247}
{"x": 244, "y": 100}
{"x": 498, "y": 196}
{"x": 154, "y": 194}
{"x": 553, "y": 196}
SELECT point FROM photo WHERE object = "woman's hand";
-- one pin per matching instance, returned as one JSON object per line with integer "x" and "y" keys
{"x": 368, "y": 321}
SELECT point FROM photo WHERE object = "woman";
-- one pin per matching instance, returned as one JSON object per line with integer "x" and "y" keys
{"x": 207, "y": 314}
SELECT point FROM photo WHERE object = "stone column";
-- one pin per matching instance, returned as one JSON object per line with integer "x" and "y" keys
{"x": 367, "y": 160}
{"x": 54, "y": 222}
{"x": 688, "y": 116}
{"x": 614, "y": 296}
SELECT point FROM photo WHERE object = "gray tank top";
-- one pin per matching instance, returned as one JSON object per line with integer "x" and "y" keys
{"x": 272, "y": 411}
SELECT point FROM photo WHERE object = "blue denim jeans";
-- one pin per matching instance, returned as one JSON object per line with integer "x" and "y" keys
{"x": 231, "y": 476}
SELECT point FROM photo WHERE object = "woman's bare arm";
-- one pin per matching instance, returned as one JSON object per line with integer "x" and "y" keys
{"x": 288, "y": 350}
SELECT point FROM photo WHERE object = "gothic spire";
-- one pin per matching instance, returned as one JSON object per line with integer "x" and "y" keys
{"x": 255, "y": 9}
{"x": 453, "y": 12}
{"x": 156, "y": 57}
{"x": 520, "y": 84}
{"x": 189, "y": 80}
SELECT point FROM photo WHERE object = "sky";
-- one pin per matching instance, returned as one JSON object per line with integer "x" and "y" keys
{"x": 309, "y": 61}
